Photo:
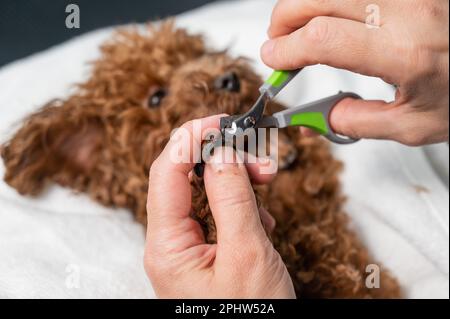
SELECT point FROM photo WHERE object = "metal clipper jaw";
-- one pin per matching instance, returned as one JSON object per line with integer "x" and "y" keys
{"x": 207, "y": 150}
{"x": 228, "y": 124}
{"x": 231, "y": 124}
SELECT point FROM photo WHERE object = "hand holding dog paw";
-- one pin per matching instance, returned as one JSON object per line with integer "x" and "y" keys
{"x": 178, "y": 261}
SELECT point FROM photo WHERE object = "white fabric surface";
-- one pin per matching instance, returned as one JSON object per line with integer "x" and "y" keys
{"x": 63, "y": 245}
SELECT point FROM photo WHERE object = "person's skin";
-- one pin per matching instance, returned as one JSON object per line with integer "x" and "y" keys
{"x": 178, "y": 261}
{"x": 409, "y": 49}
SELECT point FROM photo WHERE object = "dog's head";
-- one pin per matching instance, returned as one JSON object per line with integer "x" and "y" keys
{"x": 149, "y": 82}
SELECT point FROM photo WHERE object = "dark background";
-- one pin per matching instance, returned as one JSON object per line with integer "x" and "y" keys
{"x": 28, "y": 26}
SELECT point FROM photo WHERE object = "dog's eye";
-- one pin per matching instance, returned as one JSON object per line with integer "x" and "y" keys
{"x": 156, "y": 98}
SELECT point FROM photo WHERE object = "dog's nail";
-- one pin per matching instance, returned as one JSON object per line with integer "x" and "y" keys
{"x": 199, "y": 169}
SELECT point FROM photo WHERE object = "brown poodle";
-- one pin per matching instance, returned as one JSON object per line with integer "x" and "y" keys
{"x": 103, "y": 139}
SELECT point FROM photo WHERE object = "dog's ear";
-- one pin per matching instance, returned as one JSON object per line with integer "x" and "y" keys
{"x": 59, "y": 138}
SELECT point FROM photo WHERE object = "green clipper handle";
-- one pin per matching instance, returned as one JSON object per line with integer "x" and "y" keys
{"x": 315, "y": 115}
{"x": 277, "y": 81}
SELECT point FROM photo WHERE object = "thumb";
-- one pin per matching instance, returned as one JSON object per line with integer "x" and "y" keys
{"x": 231, "y": 199}
{"x": 363, "y": 119}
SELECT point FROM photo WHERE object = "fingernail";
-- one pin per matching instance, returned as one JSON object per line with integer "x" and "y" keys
{"x": 223, "y": 158}
{"x": 268, "y": 166}
{"x": 264, "y": 160}
{"x": 218, "y": 159}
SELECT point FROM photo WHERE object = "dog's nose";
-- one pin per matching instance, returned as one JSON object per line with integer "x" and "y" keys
{"x": 228, "y": 82}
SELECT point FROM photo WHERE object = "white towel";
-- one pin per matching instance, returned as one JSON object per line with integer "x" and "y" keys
{"x": 63, "y": 245}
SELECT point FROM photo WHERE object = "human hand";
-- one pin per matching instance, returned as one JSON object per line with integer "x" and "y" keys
{"x": 410, "y": 49}
{"x": 178, "y": 261}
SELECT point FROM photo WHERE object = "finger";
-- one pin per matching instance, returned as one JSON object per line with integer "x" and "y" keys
{"x": 267, "y": 220}
{"x": 290, "y": 15}
{"x": 364, "y": 119}
{"x": 381, "y": 120}
{"x": 232, "y": 200}
{"x": 169, "y": 193}
{"x": 338, "y": 43}
{"x": 262, "y": 170}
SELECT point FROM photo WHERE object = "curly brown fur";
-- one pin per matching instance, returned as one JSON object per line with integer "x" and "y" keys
{"x": 103, "y": 139}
